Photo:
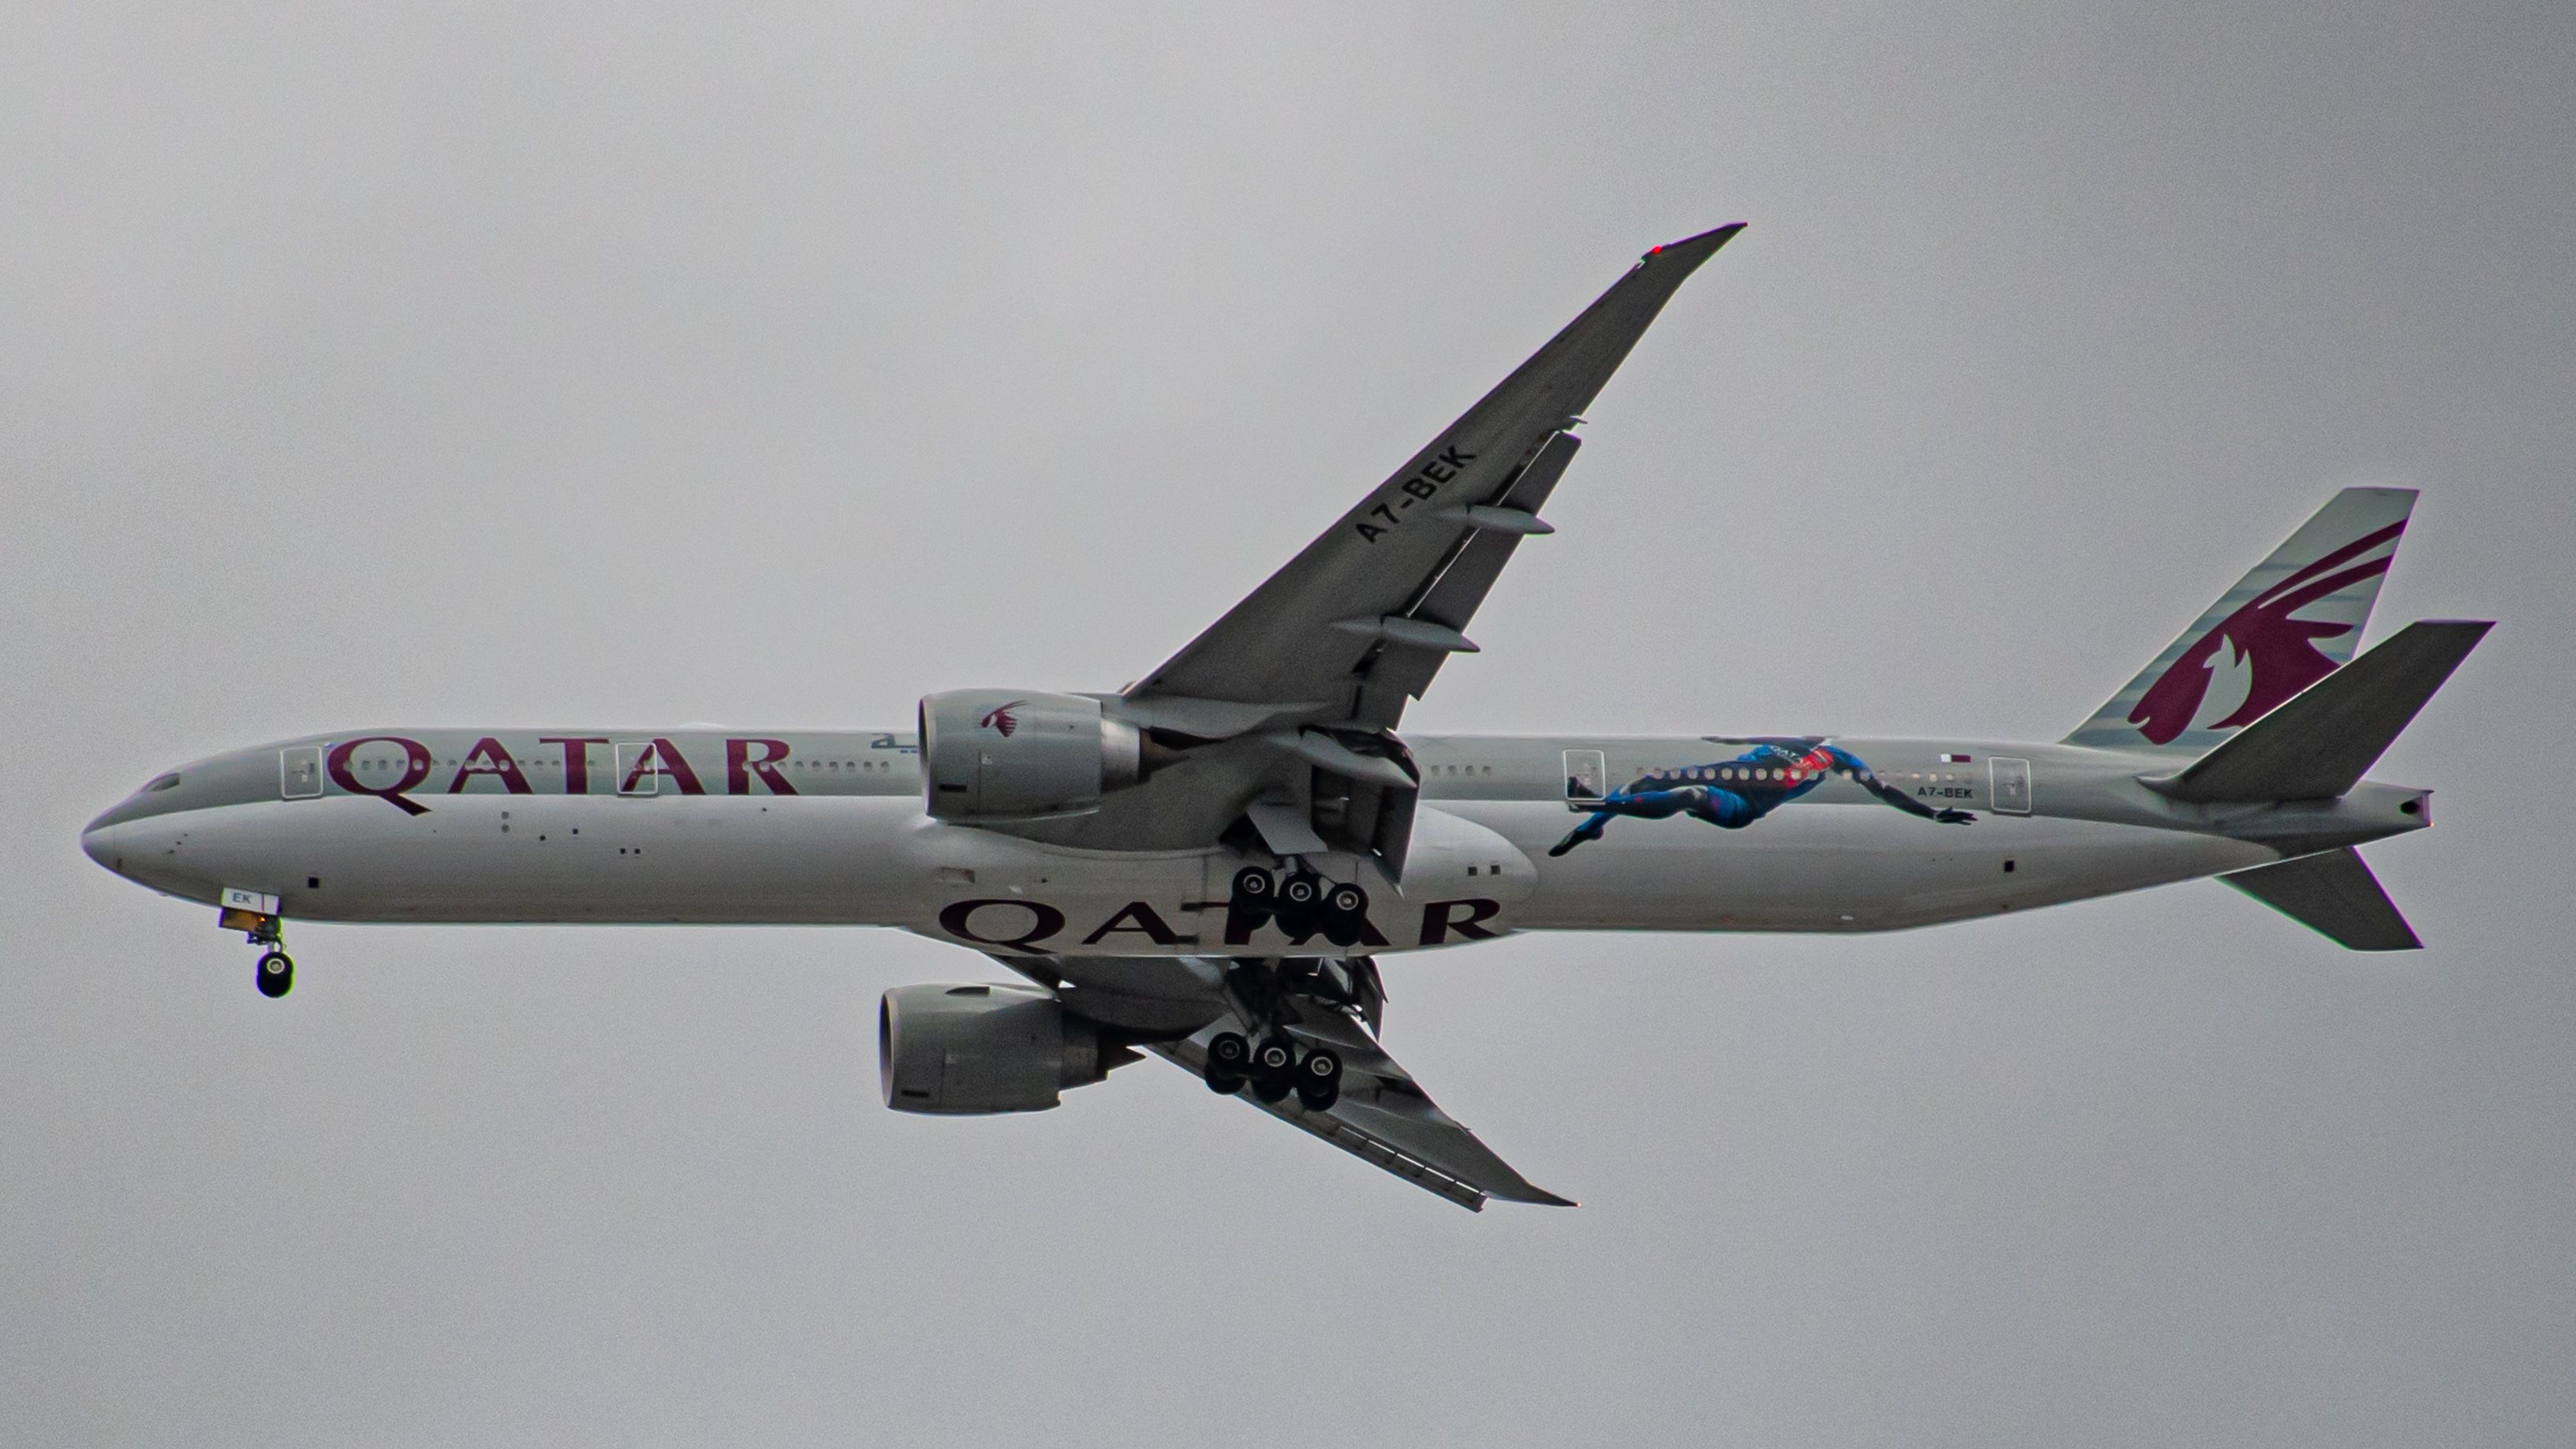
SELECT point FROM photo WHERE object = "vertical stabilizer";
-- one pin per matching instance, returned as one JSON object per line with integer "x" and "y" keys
{"x": 2291, "y": 622}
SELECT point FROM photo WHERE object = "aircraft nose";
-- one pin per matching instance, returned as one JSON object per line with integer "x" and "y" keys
{"x": 99, "y": 844}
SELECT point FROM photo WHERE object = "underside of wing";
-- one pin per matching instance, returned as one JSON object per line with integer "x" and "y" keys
{"x": 1177, "y": 1007}
{"x": 1382, "y": 1116}
{"x": 1361, "y": 619}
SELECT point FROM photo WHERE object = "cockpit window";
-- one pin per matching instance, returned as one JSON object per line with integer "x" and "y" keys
{"x": 166, "y": 782}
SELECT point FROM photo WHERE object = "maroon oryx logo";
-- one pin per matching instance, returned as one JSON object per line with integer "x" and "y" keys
{"x": 2282, "y": 651}
{"x": 1001, "y": 719}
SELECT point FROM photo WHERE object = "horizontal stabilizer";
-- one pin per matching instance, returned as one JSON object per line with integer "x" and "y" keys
{"x": 2333, "y": 894}
{"x": 2319, "y": 744}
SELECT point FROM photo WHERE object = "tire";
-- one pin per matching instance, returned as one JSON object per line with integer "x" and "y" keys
{"x": 1319, "y": 1097}
{"x": 276, "y": 974}
{"x": 1270, "y": 1091}
{"x": 1224, "y": 1086}
{"x": 1302, "y": 890}
{"x": 1320, "y": 1067}
{"x": 1228, "y": 1051}
{"x": 1348, "y": 902}
{"x": 1253, "y": 885}
{"x": 1275, "y": 1059}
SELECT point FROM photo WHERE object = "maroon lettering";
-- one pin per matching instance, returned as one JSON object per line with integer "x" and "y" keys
{"x": 1149, "y": 925}
{"x": 1311, "y": 928}
{"x": 493, "y": 760}
{"x": 1438, "y": 920}
{"x": 1044, "y": 920}
{"x": 661, "y": 757}
{"x": 416, "y": 763}
{"x": 576, "y": 759}
{"x": 740, "y": 766}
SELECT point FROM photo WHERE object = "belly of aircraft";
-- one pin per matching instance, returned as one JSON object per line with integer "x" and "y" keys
{"x": 878, "y": 861}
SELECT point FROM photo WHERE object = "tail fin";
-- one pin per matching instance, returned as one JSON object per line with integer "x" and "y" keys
{"x": 2291, "y": 622}
{"x": 2333, "y": 894}
{"x": 2319, "y": 744}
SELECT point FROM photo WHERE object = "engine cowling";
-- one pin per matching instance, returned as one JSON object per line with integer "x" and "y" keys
{"x": 962, "y": 1050}
{"x": 995, "y": 755}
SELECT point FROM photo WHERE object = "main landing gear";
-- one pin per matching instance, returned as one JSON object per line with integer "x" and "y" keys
{"x": 1273, "y": 1068}
{"x": 1301, "y": 902}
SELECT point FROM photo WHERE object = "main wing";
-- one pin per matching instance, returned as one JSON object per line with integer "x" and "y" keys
{"x": 1173, "y": 1006}
{"x": 1362, "y": 619}
{"x": 1383, "y": 1116}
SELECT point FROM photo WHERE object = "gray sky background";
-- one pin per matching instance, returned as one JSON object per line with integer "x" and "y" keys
{"x": 479, "y": 364}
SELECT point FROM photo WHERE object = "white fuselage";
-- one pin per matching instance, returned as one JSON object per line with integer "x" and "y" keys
{"x": 828, "y": 828}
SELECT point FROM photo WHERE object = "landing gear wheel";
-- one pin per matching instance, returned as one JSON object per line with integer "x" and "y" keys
{"x": 1302, "y": 890}
{"x": 1273, "y": 1092}
{"x": 1253, "y": 886}
{"x": 1224, "y": 1086}
{"x": 1228, "y": 1052}
{"x": 1344, "y": 914}
{"x": 1319, "y": 1080}
{"x": 276, "y": 974}
{"x": 1275, "y": 1060}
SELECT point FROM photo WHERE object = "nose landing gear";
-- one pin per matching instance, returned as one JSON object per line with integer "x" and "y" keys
{"x": 263, "y": 929}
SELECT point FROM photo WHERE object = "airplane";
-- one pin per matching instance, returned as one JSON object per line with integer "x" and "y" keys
{"x": 1209, "y": 865}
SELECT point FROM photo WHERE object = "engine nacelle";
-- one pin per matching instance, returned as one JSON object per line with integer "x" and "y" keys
{"x": 979, "y": 1049}
{"x": 995, "y": 755}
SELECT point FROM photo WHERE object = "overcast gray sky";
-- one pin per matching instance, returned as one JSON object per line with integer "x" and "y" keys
{"x": 369, "y": 364}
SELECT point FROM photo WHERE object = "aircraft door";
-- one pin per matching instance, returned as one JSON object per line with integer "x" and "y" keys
{"x": 2011, "y": 785}
{"x": 1587, "y": 778}
{"x": 299, "y": 772}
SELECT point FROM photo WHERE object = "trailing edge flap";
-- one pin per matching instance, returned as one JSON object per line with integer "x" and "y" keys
{"x": 2318, "y": 744}
{"x": 2334, "y": 894}
{"x": 1383, "y": 1118}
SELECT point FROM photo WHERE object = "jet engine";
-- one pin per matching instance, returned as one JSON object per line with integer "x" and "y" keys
{"x": 964, "y": 1050}
{"x": 996, "y": 756}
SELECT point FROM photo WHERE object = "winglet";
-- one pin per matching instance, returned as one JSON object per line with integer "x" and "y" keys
{"x": 1694, "y": 250}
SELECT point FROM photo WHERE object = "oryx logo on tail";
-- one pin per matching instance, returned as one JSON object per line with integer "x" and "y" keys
{"x": 2277, "y": 647}
{"x": 2291, "y": 622}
